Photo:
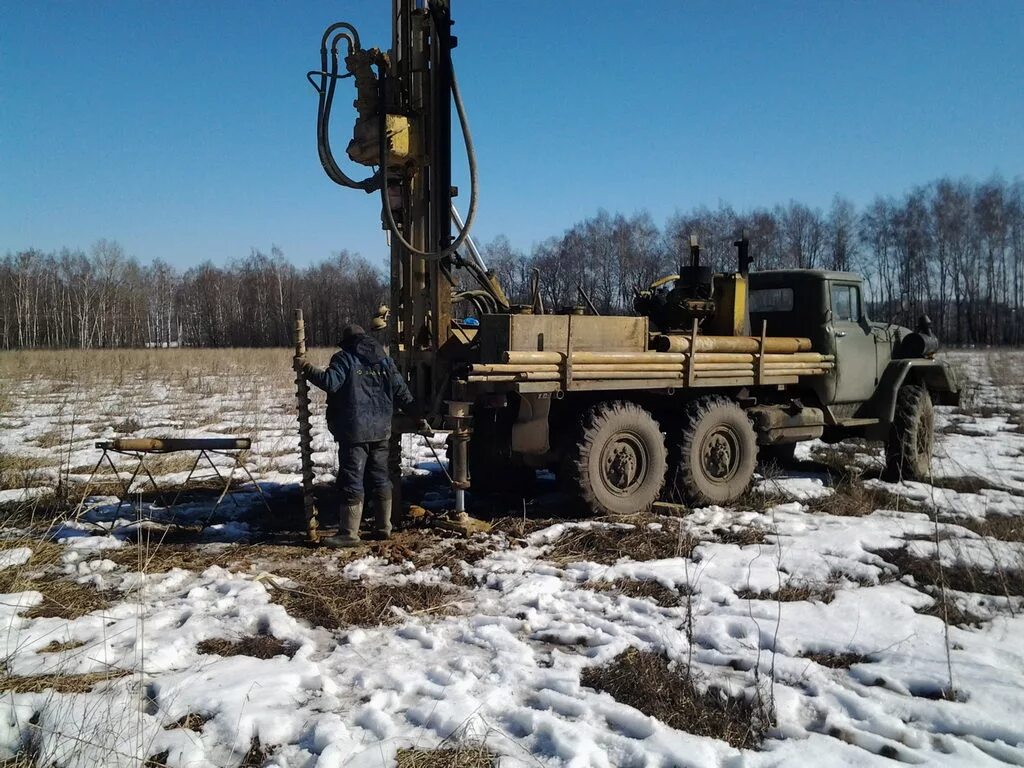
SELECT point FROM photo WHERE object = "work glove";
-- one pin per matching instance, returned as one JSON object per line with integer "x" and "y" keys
{"x": 300, "y": 364}
{"x": 424, "y": 428}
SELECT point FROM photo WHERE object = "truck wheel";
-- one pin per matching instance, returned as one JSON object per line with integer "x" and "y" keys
{"x": 908, "y": 452}
{"x": 617, "y": 463}
{"x": 715, "y": 453}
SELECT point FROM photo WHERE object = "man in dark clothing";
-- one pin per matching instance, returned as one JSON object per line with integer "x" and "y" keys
{"x": 363, "y": 388}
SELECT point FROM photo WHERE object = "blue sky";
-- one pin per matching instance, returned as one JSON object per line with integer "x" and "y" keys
{"x": 186, "y": 129}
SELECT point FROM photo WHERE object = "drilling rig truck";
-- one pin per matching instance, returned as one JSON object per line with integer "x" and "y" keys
{"x": 715, "y": 370}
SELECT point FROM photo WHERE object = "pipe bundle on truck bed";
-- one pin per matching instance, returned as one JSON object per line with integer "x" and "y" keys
{"x": 673, "y": 360}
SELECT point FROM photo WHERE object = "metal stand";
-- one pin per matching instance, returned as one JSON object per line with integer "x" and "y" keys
{"x": 140, "y": 449}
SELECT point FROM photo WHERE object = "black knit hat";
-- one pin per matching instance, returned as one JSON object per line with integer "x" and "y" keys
{"x": 352, "y": 330}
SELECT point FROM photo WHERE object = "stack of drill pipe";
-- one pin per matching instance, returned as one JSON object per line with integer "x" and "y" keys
{"x": 594, "y": 366}
{"x": 730, "y": 344}
{"x": 600, "y": 366}
{"x": 708, "y": 365}
{"x": 799, "y": 364}
{"x": 507, "y": 372}
{"x": 712, "y": 364}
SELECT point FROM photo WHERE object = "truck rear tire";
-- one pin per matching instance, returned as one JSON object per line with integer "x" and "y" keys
{"x": 617, "y": 463}
{"x": 714, "y": 453}
{"x": 908, "y": 451}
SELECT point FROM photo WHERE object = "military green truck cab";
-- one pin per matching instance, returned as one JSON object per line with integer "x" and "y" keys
{"x": 885, "y": 378}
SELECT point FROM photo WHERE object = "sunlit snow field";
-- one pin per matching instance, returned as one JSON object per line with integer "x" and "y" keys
{"x": 862, "y": 621}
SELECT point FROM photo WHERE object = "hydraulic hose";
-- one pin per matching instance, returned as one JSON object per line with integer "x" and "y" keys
{"x": 467, "y": 137}
{"x": 328, "y": 82}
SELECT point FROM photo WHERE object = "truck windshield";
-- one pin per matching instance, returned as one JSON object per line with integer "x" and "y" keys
{"x": 771, "y": 300}
{"x": 846, "y": 303}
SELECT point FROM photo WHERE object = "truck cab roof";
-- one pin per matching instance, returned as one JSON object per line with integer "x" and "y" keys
{"x": 781, "y": 275}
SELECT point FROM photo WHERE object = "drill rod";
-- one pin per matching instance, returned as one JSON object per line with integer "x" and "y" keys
{"x": 305, "y": 436}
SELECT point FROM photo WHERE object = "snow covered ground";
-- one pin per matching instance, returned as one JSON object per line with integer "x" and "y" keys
{"x": 876, "y": 621}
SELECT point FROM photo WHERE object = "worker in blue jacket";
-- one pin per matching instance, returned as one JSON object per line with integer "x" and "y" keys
{"x": 363, "y": 388}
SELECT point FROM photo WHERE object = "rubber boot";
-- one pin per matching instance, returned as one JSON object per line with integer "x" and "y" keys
{"x": 381, "y": 515}
{"x": 348, "y": 531}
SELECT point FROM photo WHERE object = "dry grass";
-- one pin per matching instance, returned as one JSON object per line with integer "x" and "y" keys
{"x": 794, "y": 592}
{"x": 853, "y": 499}
{"x": 57, "y": 646}
{"x": 65, "y": 599}
{"x": 741, "y": 535}
{"x": 256, "y": 646}
{"x": 18, "y": 471}
{"x": 52, "y": 438}
{"x": 59, "y": 683}
{"x": 159, "y": 556}
{"x": 1000, "y": 527}
{"x": 518, "y": 527}
{"x": 61, "y": 598}
{"x": 835, "y": 659}
{"x": 332, "y": 601}
{"x": 607, "y": 544}
{"x": 963, "y": 577}
{"x": 642, "y": 590}
{"x": 191, "y": 721}
{"x": 945, "y": 608}
{"x": 257, "y": 755}
{"x": 652, "y": 684}
{"x": 459, "y": 756}
{"x": 432, "y": 548}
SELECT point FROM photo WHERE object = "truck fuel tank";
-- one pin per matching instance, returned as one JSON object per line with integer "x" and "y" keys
{"x": 778, "y": 424}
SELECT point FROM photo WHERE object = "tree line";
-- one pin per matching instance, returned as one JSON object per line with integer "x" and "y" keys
{"x": 104, "y": 298}
{"x": 951, "y": 249}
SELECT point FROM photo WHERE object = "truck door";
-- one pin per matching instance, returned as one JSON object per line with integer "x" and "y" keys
{"x": 855, "y": 344}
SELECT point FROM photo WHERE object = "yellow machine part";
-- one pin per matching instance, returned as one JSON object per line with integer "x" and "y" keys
{"x": 365, "y": 149}
{"x": 731, "y": 317}
{"x": 401, "y": 144}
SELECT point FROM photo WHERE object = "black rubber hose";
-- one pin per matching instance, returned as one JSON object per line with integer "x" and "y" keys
{"x": 389, "y": 217}
{"x": 328, "y": 82}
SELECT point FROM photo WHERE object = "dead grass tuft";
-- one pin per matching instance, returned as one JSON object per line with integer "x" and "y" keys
{"x": 741, "y": 535}
{"x": 961, "y": 484}
{"x": 256, "y": 646}
{"x": 607, "y": 544}
{"x": 192, "y": 721}
{"x": 853, "y": 499}
{"x": 1001, "y": 527}
{"x": 52, "y": 438}
{"x": 18, "y": 471}
{"x": 518, "y": 527}
{"x": 154, "y": 555}
{"x": 59, "y": 683}
{"x": 61, "y": 598}
{"x": 127, "y": 426}
{"x": 257, "y": 755}
{"x": 652, "y": 684}
{"x": 65, "y": 599}
{"x": 459, "y": 756}
{"x": 58, "y": 647}
{"x": 643, "y": 590}
{"x": 794, "y": 592}
{"x": 835, "y": 659}
{"x": 950, "y": 612}
{"x": 332, "y": 601}
{"x": 963, "y": 577}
